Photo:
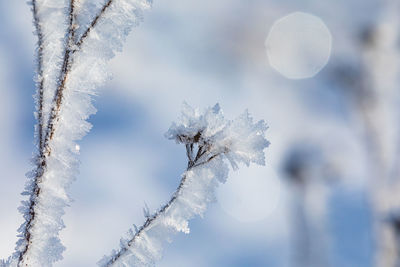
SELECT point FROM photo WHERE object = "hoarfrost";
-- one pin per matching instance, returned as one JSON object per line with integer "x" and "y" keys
{"x": 209, "y": 139}
{"x": 70, "y": 70}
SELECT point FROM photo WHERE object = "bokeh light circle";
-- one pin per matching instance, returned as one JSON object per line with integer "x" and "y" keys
{"x": 298, "y": 45}
{"x": 250, "y": 194}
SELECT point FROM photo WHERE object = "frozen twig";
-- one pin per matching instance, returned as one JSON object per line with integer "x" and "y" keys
{"x": 67, "y": 77}
{"x": 214, "y": 138}
{"x": 44, "y": 147}
{"x": 39, "y": 104}
{"x": 94, "y": 23}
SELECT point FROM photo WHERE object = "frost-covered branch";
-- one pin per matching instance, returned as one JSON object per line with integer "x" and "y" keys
{"x": 94, "y": 23}
{"x": 66, "y": 67}
{"x": 40, "y": 81}
{"x": 67, "y": 76}
{"x": 209, "y": 139}
{"x": 27, "y": 240}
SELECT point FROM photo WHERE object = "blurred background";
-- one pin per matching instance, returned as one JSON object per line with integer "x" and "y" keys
{"x": 324, "y": 75}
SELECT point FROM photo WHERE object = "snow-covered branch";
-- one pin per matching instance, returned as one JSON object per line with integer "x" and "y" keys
{"x": 209, "y": 139}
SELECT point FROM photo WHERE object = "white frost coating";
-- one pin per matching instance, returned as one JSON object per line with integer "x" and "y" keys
{"x": 216, "y": 139}
{"x": 53, "y": 25}
{"x": 89, "y": 63}
{"x": 240, "y": 140}
{"x": 88, "y": 9}
{"x": 88, "y": 71}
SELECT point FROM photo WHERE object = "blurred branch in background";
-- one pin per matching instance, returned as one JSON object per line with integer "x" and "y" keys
{"x": 309, "y": 175}
{"x": 379, "y": 111}
{"x": 371, "y": 85}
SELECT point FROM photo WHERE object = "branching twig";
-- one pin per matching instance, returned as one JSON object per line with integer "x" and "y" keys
{"x": 71, "y": 48}
{"x": 46, "y": 132}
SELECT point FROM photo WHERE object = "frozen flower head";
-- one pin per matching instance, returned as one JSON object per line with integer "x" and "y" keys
{"x": 239, "y": 140}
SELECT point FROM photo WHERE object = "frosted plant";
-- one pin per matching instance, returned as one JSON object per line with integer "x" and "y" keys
{"x": 76, "y": 38}
{"x": 71, "y": 58}
{"x": 209, "y": 139}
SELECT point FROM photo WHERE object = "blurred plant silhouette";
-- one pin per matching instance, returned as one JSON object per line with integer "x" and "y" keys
{"x": 368, "y": 82}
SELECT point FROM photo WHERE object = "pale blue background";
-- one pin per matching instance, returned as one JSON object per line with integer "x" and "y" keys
{"x": 201, "y": 52}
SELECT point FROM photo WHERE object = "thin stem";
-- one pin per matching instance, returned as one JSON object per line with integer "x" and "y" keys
{"x": 44, "y": 148}
{"x": 67, "y": 62}
{"x": 39, "y": 33}
{"x": 94, "y": 23}
{"x": 161, "y": 211}
{"x": 189, "y": 154}
{"x": 39, "y": 169}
